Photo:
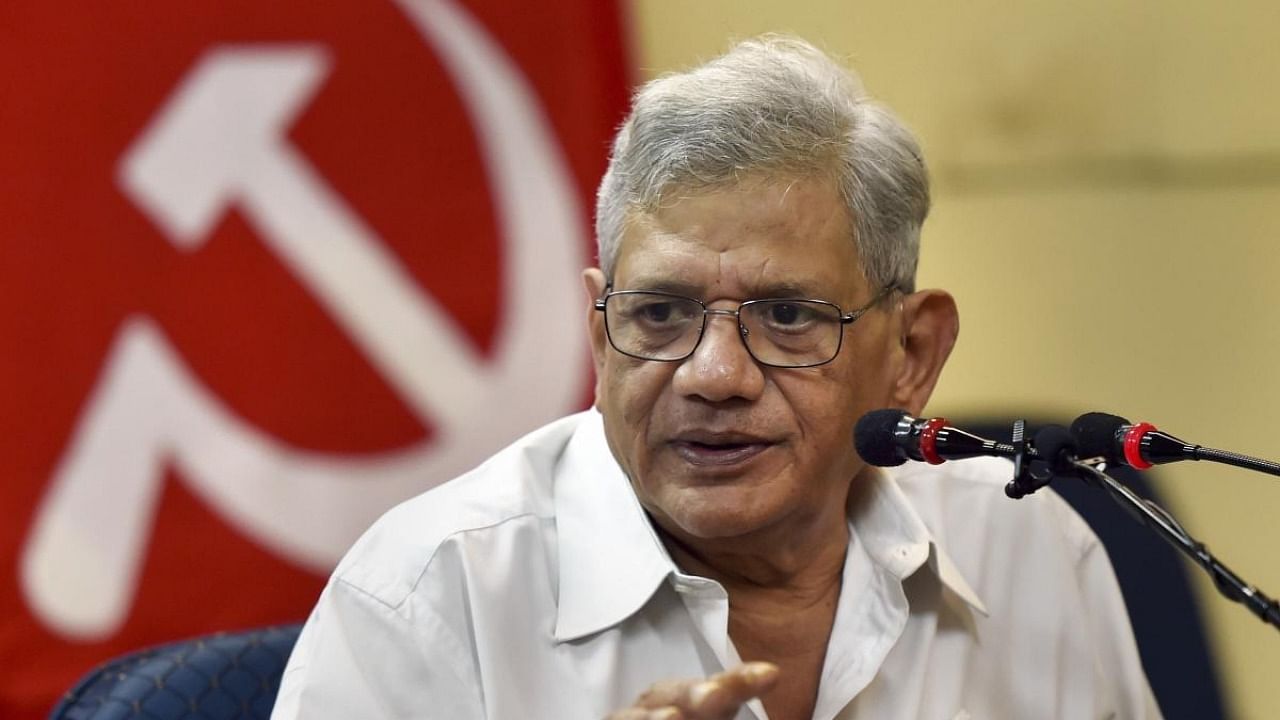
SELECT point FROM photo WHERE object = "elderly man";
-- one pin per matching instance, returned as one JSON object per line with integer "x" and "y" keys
{"x": 706, "y": 543}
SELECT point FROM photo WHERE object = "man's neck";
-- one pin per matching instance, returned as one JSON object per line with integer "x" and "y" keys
{"x": 783, "y": 587}
{"x": 789, "y": 563}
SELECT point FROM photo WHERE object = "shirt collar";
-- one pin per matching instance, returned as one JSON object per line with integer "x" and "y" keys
{"x": 611, "y": 560}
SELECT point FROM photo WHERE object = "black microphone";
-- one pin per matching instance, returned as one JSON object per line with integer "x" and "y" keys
{"x": 1142, "y": 445}
{"x": 1139, "y": 445}
{"x": 890, "y": 437}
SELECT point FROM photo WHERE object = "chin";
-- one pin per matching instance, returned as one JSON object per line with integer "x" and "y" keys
{"x": 714, "y": 513}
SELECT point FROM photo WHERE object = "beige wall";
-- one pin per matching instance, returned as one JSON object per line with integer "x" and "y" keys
{"x": 1107, "y": 184}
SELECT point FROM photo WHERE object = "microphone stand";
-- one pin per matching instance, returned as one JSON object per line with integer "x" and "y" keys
{"x": 1034, "y": 468}
{"x": 1232, "y": 586}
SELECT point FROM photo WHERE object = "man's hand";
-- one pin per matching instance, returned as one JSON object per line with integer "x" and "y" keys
{"x": 716, "y": 698}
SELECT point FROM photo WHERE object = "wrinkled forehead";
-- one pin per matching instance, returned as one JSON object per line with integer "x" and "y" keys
{"x": 765, "y": 239}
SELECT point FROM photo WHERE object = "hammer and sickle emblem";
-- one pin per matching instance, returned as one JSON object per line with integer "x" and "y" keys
{"x": 221, "y": 140}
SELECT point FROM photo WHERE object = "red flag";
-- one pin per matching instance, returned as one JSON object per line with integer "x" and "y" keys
{"x": 266, "y": 269}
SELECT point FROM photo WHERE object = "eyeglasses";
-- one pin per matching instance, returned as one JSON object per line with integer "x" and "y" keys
{"x": 778, "y": 332}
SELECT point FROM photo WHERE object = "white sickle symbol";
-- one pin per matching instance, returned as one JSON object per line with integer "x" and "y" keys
{"x": 221, "y": 140}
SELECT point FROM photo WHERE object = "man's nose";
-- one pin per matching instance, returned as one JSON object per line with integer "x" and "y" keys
{"x": 720, "y": 368}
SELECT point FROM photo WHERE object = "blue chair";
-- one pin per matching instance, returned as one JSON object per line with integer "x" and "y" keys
{"x": 226, "y": 676}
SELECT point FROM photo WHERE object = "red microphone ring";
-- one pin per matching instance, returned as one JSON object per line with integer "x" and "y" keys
{"x": 929, "y": 441}
{"x": 1133, "y": 445}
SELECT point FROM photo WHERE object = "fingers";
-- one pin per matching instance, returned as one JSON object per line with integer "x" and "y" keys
{"x": 718, "y": 696}
{"x": 721, "y": 695}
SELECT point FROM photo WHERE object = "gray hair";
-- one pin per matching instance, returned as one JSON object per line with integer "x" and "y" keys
{"x": 775, "y": 106}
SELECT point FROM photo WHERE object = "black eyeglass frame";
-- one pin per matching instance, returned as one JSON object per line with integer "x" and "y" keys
{"x": 844, "y": 318}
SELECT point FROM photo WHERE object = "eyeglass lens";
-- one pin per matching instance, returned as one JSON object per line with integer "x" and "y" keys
{"x": 786, "y": 333}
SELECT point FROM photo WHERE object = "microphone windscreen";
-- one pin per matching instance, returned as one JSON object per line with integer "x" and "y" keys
{"x": 1053, "y": 440}
{"x": 1095, "y": 434}
{"x": 873, "y": 437}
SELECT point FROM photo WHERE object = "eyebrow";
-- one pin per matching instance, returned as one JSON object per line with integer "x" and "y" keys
{"x": 688, "y": 289}
{"x": 786, "y": 290}
{"x": 667, "y": 285}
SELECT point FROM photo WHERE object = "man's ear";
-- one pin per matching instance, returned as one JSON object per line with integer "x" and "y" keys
{"x": 930, "y": 325}
{"x": 593, "y": 283}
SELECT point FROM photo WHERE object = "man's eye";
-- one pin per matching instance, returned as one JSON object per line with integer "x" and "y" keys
{"x": 791, "y": 317}
{"x": 655, "y": 312}
{"x": 785, "y": 314}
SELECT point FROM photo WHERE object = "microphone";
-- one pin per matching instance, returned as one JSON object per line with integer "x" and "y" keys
{"x": 890, "y": 437}
{"x": 1095, "y": 435}
{"x": 1139, "y": 446}
{"x": 1142, "y": 445}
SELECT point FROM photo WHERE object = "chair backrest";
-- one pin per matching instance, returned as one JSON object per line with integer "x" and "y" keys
{"x": 227, "y": 676}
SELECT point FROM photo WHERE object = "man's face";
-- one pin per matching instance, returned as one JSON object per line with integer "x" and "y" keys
{"x": 717, "y": 445}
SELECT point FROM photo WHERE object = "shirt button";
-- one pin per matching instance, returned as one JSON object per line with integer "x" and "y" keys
{"x": 912, "y": 554}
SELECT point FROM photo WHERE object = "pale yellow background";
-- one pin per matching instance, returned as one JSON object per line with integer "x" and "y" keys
{"x": 1107, "y": 203}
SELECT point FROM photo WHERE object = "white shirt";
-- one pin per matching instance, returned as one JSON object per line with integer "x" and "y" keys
{"x": 535, "y": 587}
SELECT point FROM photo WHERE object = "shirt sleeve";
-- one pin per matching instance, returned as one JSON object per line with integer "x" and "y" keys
{"x": 358, "y": 657}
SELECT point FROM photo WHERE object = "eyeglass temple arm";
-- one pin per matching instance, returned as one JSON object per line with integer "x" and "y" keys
{"x": 599, "y": 302}
{"x": 875, "y": 300}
